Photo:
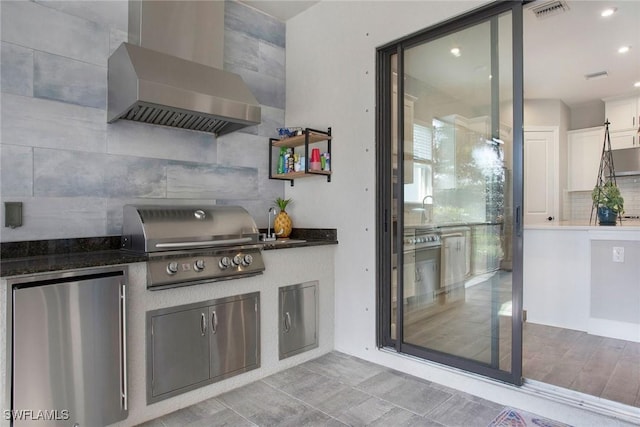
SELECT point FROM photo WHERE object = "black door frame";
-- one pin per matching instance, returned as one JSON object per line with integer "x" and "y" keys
{"x": 384, "y": 221}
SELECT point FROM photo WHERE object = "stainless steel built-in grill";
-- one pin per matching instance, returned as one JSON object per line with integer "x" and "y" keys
{"x": 190, "y": 244}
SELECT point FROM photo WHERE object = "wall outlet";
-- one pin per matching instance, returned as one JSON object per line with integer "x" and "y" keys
{"x": 618, "y": 254}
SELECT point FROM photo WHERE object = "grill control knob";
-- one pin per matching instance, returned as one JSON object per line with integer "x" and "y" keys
{"x": 225, "y": 262}
{"x": 237, "y": 260}
{"x": 172, "y": 268}
{"x": 198, "y": 265}
{"x": 247, "y": 260}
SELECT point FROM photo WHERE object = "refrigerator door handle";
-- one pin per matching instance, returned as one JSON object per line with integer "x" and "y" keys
{"x": 123, "y": 341}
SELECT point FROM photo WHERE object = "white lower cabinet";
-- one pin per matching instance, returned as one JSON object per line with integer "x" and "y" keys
{"x": 584, "y": 153}
{"x": 454, "y": 260}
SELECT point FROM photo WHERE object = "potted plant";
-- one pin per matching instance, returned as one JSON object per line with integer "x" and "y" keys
{"x": 609, "y": 201}
{"x": 282, "y": 224}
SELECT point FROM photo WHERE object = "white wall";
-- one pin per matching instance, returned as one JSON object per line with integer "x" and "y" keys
{"x": 331, "y": 57}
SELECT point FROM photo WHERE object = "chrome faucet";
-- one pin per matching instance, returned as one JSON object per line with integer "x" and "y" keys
{"x": 427, "y": 200}
{"x": 270, "y": 236}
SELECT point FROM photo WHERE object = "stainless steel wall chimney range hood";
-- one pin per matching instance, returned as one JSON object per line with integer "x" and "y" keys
{"x": 626, "y": 161}
{"x": 169, "y": 74}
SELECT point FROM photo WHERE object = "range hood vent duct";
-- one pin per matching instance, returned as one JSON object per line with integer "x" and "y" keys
{"x": 549, "y": 8}
{"x": 178, "y": 86}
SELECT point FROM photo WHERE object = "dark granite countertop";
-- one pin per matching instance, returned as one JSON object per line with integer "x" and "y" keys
{"x": 39, "y": 256}
{"x": 70, "y": 261}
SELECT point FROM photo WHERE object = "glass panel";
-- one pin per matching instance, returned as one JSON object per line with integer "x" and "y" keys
{"x": 456, "y": 272}
{"x": 394, "y": 189}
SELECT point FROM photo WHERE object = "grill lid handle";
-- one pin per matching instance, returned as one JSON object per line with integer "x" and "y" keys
{"x": 208, "y": 243}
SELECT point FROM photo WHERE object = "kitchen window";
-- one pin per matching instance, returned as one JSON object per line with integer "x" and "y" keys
{"x": 422, "y": 185}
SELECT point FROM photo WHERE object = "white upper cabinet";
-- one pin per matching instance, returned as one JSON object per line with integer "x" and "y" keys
{"x": 623, "y": 115}
{"x": 585, "y": 150}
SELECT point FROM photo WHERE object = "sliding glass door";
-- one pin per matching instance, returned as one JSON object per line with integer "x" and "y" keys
{"x": 449, "y": 193}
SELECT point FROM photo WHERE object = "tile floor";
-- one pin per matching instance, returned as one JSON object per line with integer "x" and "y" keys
{"x": 338, "y": 390}
{"x": 604, "y": 367}
{"x": 599, "y": 366}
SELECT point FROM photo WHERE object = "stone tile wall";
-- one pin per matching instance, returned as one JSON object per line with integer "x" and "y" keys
{"x": 73, "y": 171}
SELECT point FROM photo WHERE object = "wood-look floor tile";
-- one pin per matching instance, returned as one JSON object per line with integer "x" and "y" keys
{"x": 563, "y": 374}
{"x": 624, "y": 383}
{"x": 589, "y": 383}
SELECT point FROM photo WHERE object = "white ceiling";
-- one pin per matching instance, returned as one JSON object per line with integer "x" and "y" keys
{"x": 559, "y": 49}
{"x": 280, "y": 9}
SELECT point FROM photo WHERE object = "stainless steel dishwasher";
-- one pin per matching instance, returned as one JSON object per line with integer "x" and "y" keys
{"x": 68, "y": 347}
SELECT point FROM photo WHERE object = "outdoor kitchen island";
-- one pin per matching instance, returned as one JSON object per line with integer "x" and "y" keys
{"x": 291, "y": 264}
{"x": 584, "y": 277}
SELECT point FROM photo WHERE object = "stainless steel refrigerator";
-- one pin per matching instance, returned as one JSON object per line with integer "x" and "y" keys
{"x": 69, "y": 351}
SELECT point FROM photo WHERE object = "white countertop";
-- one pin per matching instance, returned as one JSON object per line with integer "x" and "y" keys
{"x": 627, "y": 225}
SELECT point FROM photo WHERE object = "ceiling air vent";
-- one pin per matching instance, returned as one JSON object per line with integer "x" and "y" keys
{"x": 598, "y": 75}
{"x": 549, "y": 8}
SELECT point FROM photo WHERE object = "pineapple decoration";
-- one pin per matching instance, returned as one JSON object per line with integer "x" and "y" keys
{"x": 282, "y": 224}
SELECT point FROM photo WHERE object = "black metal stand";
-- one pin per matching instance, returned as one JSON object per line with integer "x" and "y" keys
{"x": 606, "y": 172}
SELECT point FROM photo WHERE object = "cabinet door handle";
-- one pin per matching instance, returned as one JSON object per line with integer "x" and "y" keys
{"x": 203, "y": 324}
{"x": 287, "y": 322}
{"x": 214, "y": 323}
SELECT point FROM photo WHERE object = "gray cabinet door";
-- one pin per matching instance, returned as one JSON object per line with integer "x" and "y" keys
{"x": 298, "y": 327}
{"x": 180, "y": 350}
{"x": 234, "y": 336}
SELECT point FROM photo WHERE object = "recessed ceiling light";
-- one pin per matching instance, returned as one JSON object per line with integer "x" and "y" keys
{"x": 636, "y": 84}
{"x": 455, "y": 52}
{"x": 624, "y": 49}
{"x": 608, "y": 12}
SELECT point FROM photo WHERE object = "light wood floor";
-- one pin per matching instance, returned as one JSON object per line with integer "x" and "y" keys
{"x": 603, "y": 367}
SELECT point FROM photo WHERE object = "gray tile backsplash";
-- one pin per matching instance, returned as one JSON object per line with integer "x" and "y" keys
{"x": 144, "y": 140}
{"x": 16, "y": 69}
{"x": 45, "y": 29}
{"x": 253, "y": 22}
{"x": 581, "y": 203}
{"x": 63, "y": 79}
{"x": 73, "y": 171}
{"x": 17, "y": 170}
{"x": 202, "y": 181}
{"x": 43, "y": 123}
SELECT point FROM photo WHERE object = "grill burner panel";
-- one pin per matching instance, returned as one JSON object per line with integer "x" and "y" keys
{"x": 171, "y": 271}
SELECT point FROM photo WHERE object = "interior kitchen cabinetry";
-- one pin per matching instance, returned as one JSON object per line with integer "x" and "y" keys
{"x": 298, "y": 326}
{"x": 222, "y": 337}
{"x": 310, "y": 139}
{"x": 584, "y": 152}
{"x": 623, "y": 115}
{"x": 454, "y": 258}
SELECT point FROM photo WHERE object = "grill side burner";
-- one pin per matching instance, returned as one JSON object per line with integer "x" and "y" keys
{"x": 188, "y": 245}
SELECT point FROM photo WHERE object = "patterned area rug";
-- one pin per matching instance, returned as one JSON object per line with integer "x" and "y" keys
{"x": 510, "y": 417}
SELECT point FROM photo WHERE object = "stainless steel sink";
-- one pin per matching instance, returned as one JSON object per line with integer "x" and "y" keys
{"x": 281, "y": 242}
{"x": 284, "y": 241}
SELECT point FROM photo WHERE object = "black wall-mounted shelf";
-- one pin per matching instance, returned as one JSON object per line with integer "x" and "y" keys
{"x": 309, "y": 137}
